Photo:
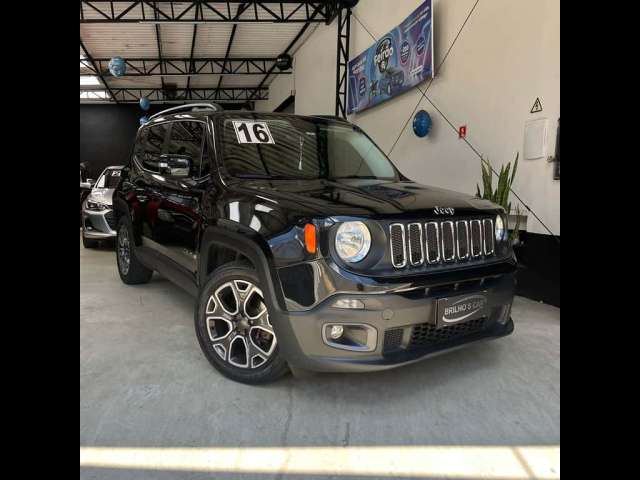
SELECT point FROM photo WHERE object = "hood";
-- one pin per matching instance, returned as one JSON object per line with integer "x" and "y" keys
{"x": 102, "y": 195}
{"x": 366, "y": 197}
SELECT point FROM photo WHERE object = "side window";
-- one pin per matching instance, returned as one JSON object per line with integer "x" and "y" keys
{"x": 152, "y": 146}
{"x": 100, "y": 182}
{"x": 205, "y": 165}
{"x": 138, "y": 149}
{"x": 186, "y": 140}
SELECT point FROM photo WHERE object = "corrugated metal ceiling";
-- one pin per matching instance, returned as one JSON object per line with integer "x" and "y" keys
{"x": 138, "y": 40}
{"x": 146, "y": 11}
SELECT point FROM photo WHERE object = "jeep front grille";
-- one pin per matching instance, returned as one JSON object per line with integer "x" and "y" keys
{"x": 448, "y": 241}
{"x": 462, "y": 228}
{"x": 416, "y": 245}
{"x": 398, "y": 249}
{"x": 441, "y": 242}
{"x": 476, "y": 238}
{"x": 433, "y": 240}
{"x": 488, "y": 236}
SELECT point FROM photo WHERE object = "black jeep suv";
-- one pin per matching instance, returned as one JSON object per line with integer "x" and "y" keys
{"x": 305, "y": 247}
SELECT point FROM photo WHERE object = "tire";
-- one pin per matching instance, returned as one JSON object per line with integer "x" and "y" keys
{"x": 132, "y": 272}
{"x": 89, "y": 242}
{"x": 239, "y": 342}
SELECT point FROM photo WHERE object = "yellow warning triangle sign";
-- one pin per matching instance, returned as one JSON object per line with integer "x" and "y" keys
{"x": 537, "y": 106}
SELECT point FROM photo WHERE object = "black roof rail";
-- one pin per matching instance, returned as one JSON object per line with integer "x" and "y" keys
{"x": 191, "y": 106}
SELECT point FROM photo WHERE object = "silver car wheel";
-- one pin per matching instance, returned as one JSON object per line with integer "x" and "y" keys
{"x": 124, "y": 250}
{"x": 237, "y": 322}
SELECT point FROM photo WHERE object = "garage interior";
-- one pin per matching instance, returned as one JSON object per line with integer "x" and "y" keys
{"x": 151, "y": 406}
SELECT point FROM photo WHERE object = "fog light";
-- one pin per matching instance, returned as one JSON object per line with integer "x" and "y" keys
{"x": 348, "y": 303}
{"x": 336, "y": 332}
{"x": 357, "y": 337}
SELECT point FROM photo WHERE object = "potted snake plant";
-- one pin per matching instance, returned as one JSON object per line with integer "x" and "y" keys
{"x": 500, "y": 195}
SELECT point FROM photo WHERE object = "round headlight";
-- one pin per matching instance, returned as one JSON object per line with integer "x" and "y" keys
{"x": 353, "y": 241}
{"x": 499, "y": 228}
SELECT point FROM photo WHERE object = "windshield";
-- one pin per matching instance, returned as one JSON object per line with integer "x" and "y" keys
{"x": 108, "y": 179}
{"x": 263, "y": 146}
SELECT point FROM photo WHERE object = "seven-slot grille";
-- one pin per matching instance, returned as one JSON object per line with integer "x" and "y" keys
{"x": 445, "y": 241}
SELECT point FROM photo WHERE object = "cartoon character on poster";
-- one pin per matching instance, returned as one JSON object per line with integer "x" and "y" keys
{"x": 390, "y": 77}
{"x": 398, "y": 61}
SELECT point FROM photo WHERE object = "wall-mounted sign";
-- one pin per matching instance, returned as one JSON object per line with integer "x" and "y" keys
{"x": 537, "y": 106}
{"x": 400, "y": 60}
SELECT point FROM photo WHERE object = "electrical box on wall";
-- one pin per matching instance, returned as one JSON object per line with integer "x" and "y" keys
{"x": 535, "y": 139}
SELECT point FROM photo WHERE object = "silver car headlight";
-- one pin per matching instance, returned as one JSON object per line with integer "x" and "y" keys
{"x": 353, "y": 241}
{"x": 500, "y": 229}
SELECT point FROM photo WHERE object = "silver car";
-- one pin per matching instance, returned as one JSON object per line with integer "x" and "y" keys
{"x": 98, "y": 219}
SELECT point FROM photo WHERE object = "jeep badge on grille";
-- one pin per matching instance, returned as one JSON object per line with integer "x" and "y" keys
{"x": 443, "y": 210}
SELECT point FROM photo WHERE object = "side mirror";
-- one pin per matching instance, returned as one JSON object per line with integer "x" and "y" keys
{"x": 88, "y": 184}
{"x": 175, "y": 165}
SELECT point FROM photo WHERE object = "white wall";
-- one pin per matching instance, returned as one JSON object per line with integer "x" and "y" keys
{"x": 280, "y": 89}
{"x": 507, "y": 55}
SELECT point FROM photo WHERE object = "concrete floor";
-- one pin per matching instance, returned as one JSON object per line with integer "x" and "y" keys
{"x": 145, "y": 383}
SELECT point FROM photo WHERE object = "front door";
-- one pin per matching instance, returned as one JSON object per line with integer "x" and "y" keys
{"x": 178, "y": 193}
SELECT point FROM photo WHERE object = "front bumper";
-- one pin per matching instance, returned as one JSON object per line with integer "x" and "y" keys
{"x": 98, "y": 225}
{"x": 395, "y": 317}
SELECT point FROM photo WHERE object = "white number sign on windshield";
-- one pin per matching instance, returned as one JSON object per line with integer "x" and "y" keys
{"x": 252, "y": 132}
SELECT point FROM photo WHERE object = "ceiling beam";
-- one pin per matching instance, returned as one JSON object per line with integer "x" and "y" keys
{"x": 289, "y": 47}
{"x": 240, "y": 11}
{"x": 226, "y": 55}
{"x": 141, "y": 11}
{"x": 106, "y": 85}
{"x": 230, "y": 94}
{"x": 159, "y": 45}
{"x": 188, "y": 66}
{"x": 193, "y": 45}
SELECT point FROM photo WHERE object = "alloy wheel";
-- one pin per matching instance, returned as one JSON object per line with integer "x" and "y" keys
{"x": 124, "y": 250}
{"x": 237, "y": 322}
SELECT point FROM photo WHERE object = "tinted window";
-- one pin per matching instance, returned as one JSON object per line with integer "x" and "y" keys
{"x": 138, "y": 150}
{"x": 186, "y": 140}
{"x": 152, "y": 141}
{"x": 302, "y": 148}
{"x": 109, "y": 179}
{"x": 205, "y": 164}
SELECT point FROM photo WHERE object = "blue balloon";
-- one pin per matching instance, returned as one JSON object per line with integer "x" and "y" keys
{"x": 117, "y": 66}
{"x": 144, "y": 120}
{"x": 145, "y": 103}
{"x": 422, "y": 124}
